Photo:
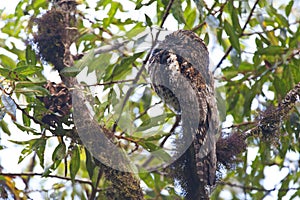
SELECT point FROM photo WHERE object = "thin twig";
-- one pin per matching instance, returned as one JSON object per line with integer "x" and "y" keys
{"x": 239, "y": 125}
{"x": 223, "y": 58}
{"x": 48, "y": 176}
{"x": 267, "y": 31}
{"x": 127, "y": 139}
{"x": 166, "y": 13}
{"x": 108, "y": 48}
{"x": 175, "y": 125}
{"x": 198, "y": 26}
{"x": 94, "y": 189}
{"x": 109, "y": 83}
{"x": 243, "y": 29}
{"x": 146, "y": 110}
{"x": 144, "y": 63}
{"x": 31, "y": 117}
{"x": 256, "y": 188}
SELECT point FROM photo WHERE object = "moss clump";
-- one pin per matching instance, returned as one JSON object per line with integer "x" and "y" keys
{"x": 50, "y": 38}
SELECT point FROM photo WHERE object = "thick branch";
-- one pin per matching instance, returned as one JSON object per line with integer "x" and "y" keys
{"x": 268, "y": 124}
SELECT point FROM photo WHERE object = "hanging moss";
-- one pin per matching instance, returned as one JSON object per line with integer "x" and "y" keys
{"x": 50, "y": 37}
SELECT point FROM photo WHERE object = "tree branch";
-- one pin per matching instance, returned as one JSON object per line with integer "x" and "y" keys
{"x": 108, "y": 48}
{"x": 166, "y": 13}
{"x": 109, "y": 83}
{"x": 268, "y": 124}
{"x": 28, "y": 174}
{"x": 271, "y": 118}
{"x": 256, "y": 188}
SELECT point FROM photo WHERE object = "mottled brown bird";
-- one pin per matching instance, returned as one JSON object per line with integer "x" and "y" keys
{"x": 179, "y": 73}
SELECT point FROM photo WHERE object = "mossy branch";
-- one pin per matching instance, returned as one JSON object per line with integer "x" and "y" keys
{"x": 267, "y": 127}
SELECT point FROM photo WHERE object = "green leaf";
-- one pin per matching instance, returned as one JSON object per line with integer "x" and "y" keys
{"x": 94, "y": 178}
{"x": 75, "y": 162}
{"x": 177, "y": 11}
{"x": 191, "y": 18}
{"x": 146, "y": 98}
{"x": 79, "y": 65}
{"x": 148, "y": 179}
{"x": 149, "y": 146}
{"x": 200, "y": 6}
{"x": 206, "y": 38}
{"x": 284, "y": 187}
{"x": 233, "y": 101}
{"x": 155, "y": 137}
{"x": 235, "y": 58}
{"x": 137, "y": 29}
{"x": 99, "y": 64}
{"x": 271, "y": 50}
{"x": 35, "y": 89}
{"x": 234, "y": 17}
{"x": 90, "y": 165}
{"x": 296, "y": 194}
{"x": 26, "y": 128}
{"x": 124, "y": 67}
{"x": 138, "y": 4}
{"x": 152, "y": 122}
{"x": 148, "y": 21}
{"x": 282, "y": 20}
{"x": 48, "y": 170}
{"x": 7, "y": 62}
{"x": 162, "y": 154}
{"x": 115, "y": 6}
{"x": 288, "y": 8}
{"x": 4, "y": 127}
{"x": 103, "y": 3}
{"x": 39, "y": 147}
{"x": 30, "y": 56}
{"x": 5, "y": 72}
{"x": 37, "y": 78}
{"x": 59, "y": 152}
{"x": 233, "y": 36}
{"x": 27, "y": 70}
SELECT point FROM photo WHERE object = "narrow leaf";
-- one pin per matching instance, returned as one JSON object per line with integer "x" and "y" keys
{"x": 271, "y": 50}
{"x": 59, "y": 152}
{"x": 30, "y": 56}
{"x": 178, "y": 12}
{"x": 288, "y": 8}
{"x": 90, "y": 165}
{"x": 75, "y": 162}
{"x": 233, "y": 37}
{"x": 9, "y": 106}
{"x": 121, "y": 69}
{"x": 148, "y": 20}
{"x": 4, "y": 127}
{"x": 79, "y": 65}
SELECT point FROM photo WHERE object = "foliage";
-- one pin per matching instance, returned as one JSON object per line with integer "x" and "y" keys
{"x": 260, "y": 40}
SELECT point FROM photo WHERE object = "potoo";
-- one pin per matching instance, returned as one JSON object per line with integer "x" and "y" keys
{"x": 179, "y": 73}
